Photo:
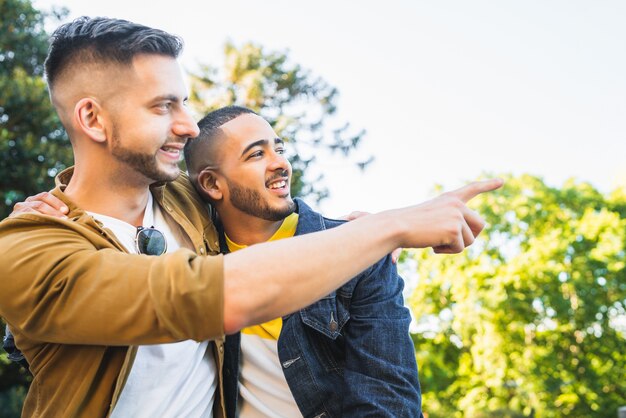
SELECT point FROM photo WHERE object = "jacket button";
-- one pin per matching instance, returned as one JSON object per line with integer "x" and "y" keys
{"x": 201, "y": 250}
{"x": 333, "y": 325}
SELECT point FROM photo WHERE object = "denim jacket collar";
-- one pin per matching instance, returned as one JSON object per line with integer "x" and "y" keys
{"x": 308, "y": 220}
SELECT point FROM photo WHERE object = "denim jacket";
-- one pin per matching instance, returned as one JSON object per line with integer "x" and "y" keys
{"x": 348, "y": 354}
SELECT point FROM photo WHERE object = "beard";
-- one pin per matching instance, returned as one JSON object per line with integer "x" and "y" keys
{"x": 250, "y": 201}
{"x": 143, "y": 163}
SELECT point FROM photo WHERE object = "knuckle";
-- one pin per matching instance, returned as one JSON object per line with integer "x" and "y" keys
{"x": 452, "y": 201}
{"x": 452, "y": 234}
{"x": 478, "y": 225}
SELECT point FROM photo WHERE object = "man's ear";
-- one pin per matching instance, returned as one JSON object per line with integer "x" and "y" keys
{"x": 89, "y": 118}
{"x": 210, "y": 185}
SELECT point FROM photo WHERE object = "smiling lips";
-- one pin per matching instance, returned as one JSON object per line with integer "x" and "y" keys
{"x": 172, "y": 150}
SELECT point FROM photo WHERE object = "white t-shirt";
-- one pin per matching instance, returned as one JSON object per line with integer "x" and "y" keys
{"x": 166, "y": 380}
{"x": 263, "y": 389}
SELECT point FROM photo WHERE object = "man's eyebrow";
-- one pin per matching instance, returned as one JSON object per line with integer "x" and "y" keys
{"x": 254, "y": 144}
{"x": 259, "y": 143}
{"x": 169, "y": 97}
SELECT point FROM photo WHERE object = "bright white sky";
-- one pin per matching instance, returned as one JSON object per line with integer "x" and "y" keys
{"x": 446, "y": 90}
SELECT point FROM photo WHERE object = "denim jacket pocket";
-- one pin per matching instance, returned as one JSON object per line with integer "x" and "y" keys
{"x": 327, "y": 316}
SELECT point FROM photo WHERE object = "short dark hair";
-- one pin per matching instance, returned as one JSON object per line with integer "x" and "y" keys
{"x": 196, "y": 149}
{"x": 217, "y": 118}
{"x": 105, "y": 40}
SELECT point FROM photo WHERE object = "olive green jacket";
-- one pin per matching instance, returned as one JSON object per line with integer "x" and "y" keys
{"x": 79, "y": 305}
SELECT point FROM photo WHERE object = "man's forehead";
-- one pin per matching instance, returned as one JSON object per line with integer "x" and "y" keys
{"x": 146, "y": 75}
{"x": 157, "y": 69}
{"x": 248, "y": 128}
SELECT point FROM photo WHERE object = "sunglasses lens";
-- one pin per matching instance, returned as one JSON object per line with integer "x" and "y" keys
{"x": 151, "y": 242}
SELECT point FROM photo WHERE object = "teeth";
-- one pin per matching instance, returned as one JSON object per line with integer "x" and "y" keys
{"x": 278, "y": 184}
{"x": 168, "y": 149}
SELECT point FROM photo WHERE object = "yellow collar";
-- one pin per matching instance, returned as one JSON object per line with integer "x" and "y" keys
{"x": 287, "y": 229}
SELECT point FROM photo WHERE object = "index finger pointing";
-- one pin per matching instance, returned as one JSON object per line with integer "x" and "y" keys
{"x": 470, "y": 191}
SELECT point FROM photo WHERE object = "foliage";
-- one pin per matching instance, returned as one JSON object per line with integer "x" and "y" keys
{"x": 33, "y": 145}
{"x": 14, "y": 381}
{"x": 531, "y": 321}
{"x": 297, "y": 105}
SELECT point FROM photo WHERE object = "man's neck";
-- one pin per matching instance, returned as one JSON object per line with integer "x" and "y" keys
{"x": 109, "y": 195}
{"x": 248, "y": 230}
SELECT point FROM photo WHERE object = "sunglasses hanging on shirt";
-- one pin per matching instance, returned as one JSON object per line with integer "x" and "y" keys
{"x": 150, "y": 241}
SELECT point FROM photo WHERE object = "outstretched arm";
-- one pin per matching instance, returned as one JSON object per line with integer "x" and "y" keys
{"x": 259, "y": 281}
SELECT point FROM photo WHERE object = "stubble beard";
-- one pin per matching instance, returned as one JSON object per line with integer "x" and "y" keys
{"x": 250, "y": 202}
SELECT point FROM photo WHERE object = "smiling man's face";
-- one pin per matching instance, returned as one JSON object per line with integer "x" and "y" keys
{"x": 254, "y": 174}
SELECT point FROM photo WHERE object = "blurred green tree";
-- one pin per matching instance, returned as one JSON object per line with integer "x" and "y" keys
{"x": 531, "y": 321}
{"x": 299, "y": 106}
{"x": 33, "y": 145}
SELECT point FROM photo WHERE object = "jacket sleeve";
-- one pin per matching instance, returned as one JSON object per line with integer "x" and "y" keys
{"x": 58, "y": 285}
{"x": 380, "y": 376}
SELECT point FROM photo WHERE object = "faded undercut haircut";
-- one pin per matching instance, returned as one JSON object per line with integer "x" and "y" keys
{"x": 105, "y": 40}
{"x": 199, "y": 150}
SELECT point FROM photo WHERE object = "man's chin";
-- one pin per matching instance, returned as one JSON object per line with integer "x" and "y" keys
{"x": 289, "y": 207}
{"x": 163, "y": 177}
{"x": 167, "y": 174}
{"x": 279, "y": 212}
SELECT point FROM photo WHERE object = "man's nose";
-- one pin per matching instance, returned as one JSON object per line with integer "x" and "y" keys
{"x": 279, "y": 162}
{"x": 185, "y": 125}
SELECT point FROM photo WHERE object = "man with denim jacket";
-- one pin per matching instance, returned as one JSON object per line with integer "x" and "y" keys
{"x": 348, "y": 354}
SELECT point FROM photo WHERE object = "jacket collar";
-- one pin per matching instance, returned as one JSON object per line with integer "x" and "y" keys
{"x": 308, "y": 219}
{"x": 61, "y": 181}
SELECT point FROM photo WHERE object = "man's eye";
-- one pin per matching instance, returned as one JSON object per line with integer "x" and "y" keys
{"x": 256, "y": 154}
{"x": 164, "y": 106}
{"x": 280, "y": 151}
